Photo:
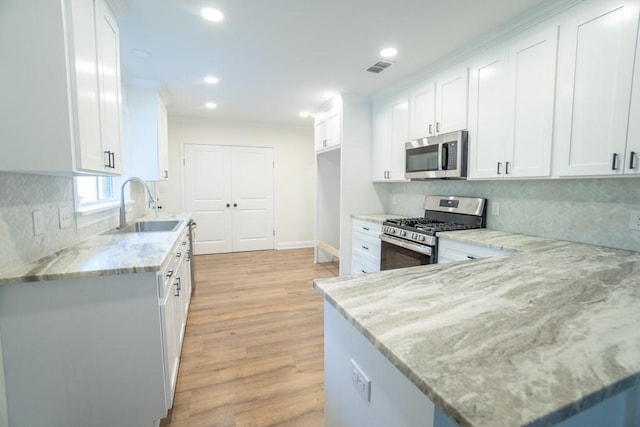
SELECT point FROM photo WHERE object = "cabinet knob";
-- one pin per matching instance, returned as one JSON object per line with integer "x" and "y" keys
{"x": 228, "y": 205}
{"x": 235, "y": 205}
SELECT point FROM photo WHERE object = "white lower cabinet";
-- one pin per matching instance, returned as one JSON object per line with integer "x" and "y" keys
{"x": 365, "y": 246}
{"x": 453, "y": 250}
{"x": 595, "y": 76}
{"x": 97, "y": 351}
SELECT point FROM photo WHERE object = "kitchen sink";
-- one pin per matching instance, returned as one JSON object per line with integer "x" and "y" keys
{"x": 148, "y": 227}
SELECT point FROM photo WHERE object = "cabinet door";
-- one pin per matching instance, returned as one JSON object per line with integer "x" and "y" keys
{"x": 422, "y": 111}
{"x": 110, "y": 90}
{"x": 163, "y": 141}
{"x": 532, "y": 75}
{"x": 380, "y": 143}
{"x": 451, "y": 101}
{"x": 399, "y": 128}
{"x": 89, "y": 152}
{"x": 320, "y": 134}
{"x": 595, "y": 65}
{"x": 487, "y": 121}
{"x": 334, "y": 134}
{"x": 632, "y": 156}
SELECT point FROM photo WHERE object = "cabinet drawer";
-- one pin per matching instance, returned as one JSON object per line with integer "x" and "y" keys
{"x": 362, "y": 265}
{"x": 366, "y": 245}
{"x": 451, "y": 250}
{"x": 366, "y": 227}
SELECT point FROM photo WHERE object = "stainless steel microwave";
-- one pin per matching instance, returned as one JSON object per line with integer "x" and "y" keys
{"x": 441, "y": 156}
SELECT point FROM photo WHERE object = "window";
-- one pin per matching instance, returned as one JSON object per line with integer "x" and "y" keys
{"x": 94, "y": 189}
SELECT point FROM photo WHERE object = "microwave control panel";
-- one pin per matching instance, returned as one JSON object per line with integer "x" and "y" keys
{"x": 450, "y": 155}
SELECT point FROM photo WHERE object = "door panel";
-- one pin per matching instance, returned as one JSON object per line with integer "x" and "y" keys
{"x": 252, "y": 188}
{"x": 207, "y": 192}
{"x": 241, "y": 177}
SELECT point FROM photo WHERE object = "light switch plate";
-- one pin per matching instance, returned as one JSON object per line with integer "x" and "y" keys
{"x": 495, "y": 208}
{"x": 634, "y": 221}
{"x": 64, "y": 216}
{"x": 360, "y": 381}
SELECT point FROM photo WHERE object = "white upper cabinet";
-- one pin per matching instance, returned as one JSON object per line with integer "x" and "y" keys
{"x": 64, "y": 115}
{"x": 390, "y": 133}
{"x": 595, "y": 70}
{"x": 149, "y": 133}
{"x": 632, "y": 155}
{"x": 511, "y": 102}
{"x": 439, "y": 105}
{"x": 452, "y": 91}
{"x": 422, "y": 107}
{"x": 328, "y": 129}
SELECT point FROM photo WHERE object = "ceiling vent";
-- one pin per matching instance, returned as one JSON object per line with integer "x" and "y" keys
{"x": 379, "y": 66}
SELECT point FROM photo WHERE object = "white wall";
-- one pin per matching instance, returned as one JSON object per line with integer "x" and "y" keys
{"x": 294, "y": 156}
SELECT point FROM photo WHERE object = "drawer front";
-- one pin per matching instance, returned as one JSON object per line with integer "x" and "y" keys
{"x": 366, "y": 227}
{"x": 362, "y": 265}
{"x": 451, "y": 250}
{"x": 367, "y": 246}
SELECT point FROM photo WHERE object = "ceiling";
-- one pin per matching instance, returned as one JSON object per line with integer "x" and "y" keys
{"x": 275, "y": 58}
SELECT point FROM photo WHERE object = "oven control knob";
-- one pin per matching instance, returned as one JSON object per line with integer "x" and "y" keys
{"x": 403, "y": 233}
{"x": 422, "y": 238}
{"x": 413, "y": 235}
{"x": 392, "y": 230}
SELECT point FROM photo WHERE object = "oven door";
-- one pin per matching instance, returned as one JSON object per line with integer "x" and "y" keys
{"x": 400, "y": 253}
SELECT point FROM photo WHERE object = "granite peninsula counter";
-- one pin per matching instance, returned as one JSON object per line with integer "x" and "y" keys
{"x": 532, "y": 338}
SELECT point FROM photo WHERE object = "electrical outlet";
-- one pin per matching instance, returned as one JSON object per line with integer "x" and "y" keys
{"x": 38, "y": 223}
{"x": 361, "y": 382}
{"x": 64, "y": 216}
{"x": 634, "y": 221}
{"x": 495, "y": 208}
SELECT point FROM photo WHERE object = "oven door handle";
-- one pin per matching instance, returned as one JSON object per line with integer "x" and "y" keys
{"x": 423, "y": 249}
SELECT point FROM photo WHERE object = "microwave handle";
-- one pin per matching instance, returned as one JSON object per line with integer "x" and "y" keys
{"x": 444, "y": 161}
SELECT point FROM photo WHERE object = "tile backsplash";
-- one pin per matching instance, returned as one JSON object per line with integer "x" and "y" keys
{"x": 594, "y": 211}
{"x": 20, "y": 195}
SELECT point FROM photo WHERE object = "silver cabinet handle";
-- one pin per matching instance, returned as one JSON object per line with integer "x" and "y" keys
{"x": 437, "y": 127}
{"x": 633, "y": 156}
{"x": 430, "y": 129}
{"x": 108, "y": 159}
{"x": 499, "y": 166}
{"x": 166, "y": 174}
{"x": 506, "y": 168}
{"x": 365, "y": 228}
{"x": 614, "y": 162}
{"x": 364, "y": 247}
{"x": 169, "y": 273}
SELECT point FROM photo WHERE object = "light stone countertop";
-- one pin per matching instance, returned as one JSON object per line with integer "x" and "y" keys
{"x": 530, "y": 338}
{"x": 104, "y": 254}
{"x": 377, "y": 218}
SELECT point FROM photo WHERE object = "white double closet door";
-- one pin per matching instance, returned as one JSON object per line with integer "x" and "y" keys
{"x": 229, "y": 190}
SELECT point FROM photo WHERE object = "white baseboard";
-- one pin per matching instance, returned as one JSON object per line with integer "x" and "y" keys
{"x": 295, "y": 245}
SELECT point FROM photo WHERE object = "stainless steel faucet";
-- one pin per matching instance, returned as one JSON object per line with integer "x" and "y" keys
{"x": 123, "y": 215}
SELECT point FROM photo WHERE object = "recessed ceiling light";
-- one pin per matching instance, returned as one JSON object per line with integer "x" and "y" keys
{"x": 210, "y": 105}
{"x": 389, "y": 52}
{"x": 304, "y": 114}
{"x": 212, "y": 14}
{"x": 211, "y": 80}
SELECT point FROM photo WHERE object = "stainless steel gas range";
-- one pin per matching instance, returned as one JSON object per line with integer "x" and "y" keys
{"x": 408, "y": 242}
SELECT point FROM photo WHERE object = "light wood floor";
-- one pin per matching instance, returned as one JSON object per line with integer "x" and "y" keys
{"x": 253, "y": 348}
